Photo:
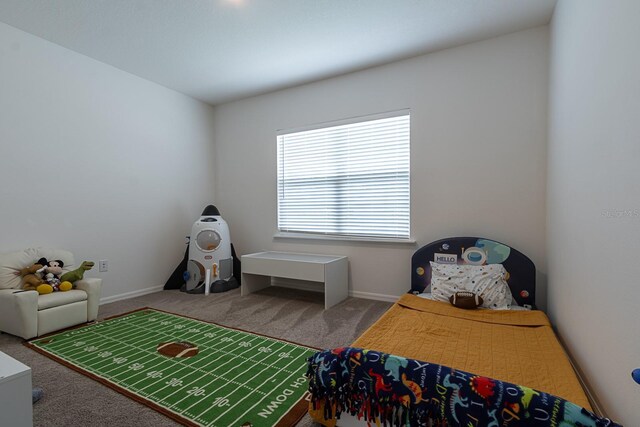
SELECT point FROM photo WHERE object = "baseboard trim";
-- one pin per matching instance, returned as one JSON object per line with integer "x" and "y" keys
{"x": 285, "y": 283}
{"x": 317, "y": 287}
{"x": 373, "y": 296}
{"x": 132, "y": 294}
{"x": 588, "y": 390}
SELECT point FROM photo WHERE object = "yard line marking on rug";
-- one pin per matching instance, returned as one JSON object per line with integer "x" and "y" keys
{"x": 152, "y": 353}
{"x": 194, "y": 363}
{"x": 210, "y": 392}
{"x": 95, "y": 328}
{"x": 92, "y": 336}
{"x": 153, "y": 339}
{"x": 201, "y": 368}
{"x": 117, "y": 363}
{"x": 160, "y": 360}
{"x": 94, "y": 355}
{"x": 230, "y": 360}
{"x": 259, "y": 401}
{"x": 238, "y": 402}
{"x": 90, "y": 356}
{"x": 105, "y": 333}
{"x": 219, "y": 388}
{"x": 195, "y": 381}
{"x": 207, "y": 338}
{"x": 113, "y": 377}
{"x": 264, "y": 369}
{"x": 147, "y": 341}
{"x": 268, "y": 339}
{"x": 303, "y": 349}
{"x": 198, "y": 368}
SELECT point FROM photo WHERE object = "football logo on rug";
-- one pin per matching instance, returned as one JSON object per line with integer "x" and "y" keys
{"x": 177, "y": 349}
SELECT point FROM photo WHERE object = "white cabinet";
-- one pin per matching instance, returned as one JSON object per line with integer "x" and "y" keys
{"x": 15, "y": 393}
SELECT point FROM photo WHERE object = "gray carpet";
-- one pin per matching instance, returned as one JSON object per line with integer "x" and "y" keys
{"x": 71, "y": 399}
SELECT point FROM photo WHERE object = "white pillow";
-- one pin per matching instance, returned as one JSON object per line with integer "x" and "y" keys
{"x": 514, "y": 303}
{"x": 516, "y": 307}
{"x": 488, "y": 281}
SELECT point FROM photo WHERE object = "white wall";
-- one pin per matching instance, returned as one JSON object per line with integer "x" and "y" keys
{"x": 478, "y": 154}
{"x": 594, "y": 195}
{"x": 98, "y": 161}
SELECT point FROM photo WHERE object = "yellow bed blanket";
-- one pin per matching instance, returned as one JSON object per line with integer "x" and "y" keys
{"x": 514, "y": 346}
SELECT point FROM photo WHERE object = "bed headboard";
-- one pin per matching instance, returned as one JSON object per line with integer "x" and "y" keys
{"x": 476, "y": 250}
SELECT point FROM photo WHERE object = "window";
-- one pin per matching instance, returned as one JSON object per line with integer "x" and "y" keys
{"x": 346, "y": 179}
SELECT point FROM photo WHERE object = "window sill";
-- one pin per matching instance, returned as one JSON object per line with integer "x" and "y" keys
{"x": 303, "y": 236}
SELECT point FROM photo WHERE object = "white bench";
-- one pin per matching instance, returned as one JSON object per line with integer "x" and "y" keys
{"x": 332, "y": 271}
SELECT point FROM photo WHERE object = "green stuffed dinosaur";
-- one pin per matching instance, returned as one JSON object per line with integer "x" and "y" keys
{"x": 78, "y": 273}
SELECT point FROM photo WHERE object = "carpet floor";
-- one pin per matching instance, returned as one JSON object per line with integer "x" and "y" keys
{"x": 72, "y": 399}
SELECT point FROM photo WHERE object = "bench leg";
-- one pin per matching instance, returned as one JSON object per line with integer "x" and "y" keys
{"x": 253, "y": 282}
{"x": 336, "y": 285}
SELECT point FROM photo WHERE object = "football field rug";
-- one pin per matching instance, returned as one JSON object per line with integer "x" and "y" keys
{"x": 198, "y": 373}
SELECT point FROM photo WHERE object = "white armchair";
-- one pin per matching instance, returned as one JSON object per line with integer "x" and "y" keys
{"x": 28, "y": 314}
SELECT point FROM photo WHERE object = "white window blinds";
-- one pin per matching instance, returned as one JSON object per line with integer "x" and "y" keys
{"x": 346, "y": 180}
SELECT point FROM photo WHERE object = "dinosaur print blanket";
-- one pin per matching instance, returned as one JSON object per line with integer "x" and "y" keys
{"x": 398, "y": 391}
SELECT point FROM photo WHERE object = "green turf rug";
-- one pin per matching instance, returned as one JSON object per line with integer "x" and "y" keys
{"x": 195, "y": 372}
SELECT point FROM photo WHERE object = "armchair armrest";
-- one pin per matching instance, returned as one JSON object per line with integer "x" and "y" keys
{"x": 19, "y": 312}
{"x": 92, "y": 286}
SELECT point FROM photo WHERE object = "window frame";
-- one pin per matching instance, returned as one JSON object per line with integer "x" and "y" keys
{"x": 308, "y": 235}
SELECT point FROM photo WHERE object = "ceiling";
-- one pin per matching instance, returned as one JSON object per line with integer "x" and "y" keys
{"x": 221, "y": 50}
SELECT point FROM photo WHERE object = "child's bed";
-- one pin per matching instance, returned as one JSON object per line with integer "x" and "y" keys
{"x": 513, "y": 348}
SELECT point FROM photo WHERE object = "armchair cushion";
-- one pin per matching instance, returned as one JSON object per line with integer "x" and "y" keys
{"x": 56, "y": 299}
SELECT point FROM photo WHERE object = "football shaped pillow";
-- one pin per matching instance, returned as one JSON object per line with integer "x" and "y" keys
{"x": 466, "y": 300}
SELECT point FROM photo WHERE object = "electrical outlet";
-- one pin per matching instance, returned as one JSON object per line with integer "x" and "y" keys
{"x": 103, "y": 265}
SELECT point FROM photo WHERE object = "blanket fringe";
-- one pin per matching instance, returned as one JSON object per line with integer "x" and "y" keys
{"x": 396, "y": 392}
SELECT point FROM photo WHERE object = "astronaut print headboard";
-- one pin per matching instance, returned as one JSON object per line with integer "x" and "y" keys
{"x": 476, "y": 251}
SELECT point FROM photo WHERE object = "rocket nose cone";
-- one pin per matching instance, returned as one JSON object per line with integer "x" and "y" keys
{"x": 210, "y": 211}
